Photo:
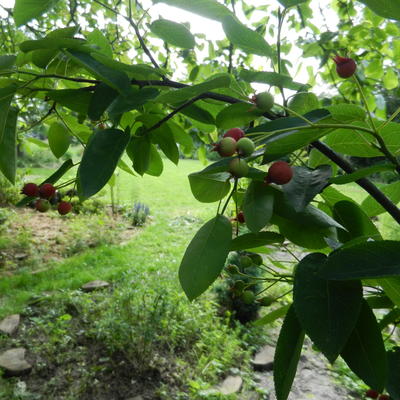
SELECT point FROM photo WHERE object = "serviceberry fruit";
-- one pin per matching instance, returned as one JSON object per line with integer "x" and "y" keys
{"x": 245, "y": 147}
{"x": 47, "y": 191}
{"x": 264, "y": 101}
{"x": 64, "y": 207}
{"x": 226, "y": 147}
{"x": 234, "y": 133}
{"x": 30, "y": 190}
{"x": 42, "y": 205}
{"x": 238, "y": 168}
{"x": 345, "y": 67}
{"x": 280, "y": 172}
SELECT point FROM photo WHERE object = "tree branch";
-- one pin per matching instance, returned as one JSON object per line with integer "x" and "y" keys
{"x": 365, "y": 183}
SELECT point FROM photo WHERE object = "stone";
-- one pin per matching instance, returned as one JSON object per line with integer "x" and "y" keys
{"x": 94, "y": 285}
{"x": 264, "y": 359}
{"x": 136, "y": 398}
{"x": 14, "y": 363}
{"x": 10, "y": 324}
{"x": 232, "y": 384}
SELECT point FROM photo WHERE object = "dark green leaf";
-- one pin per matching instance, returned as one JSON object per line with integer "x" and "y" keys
{"x": 116, "y": 79}
{"x": 390, "y": 318}
{"x": 164, "y": 137}
{"x": 156, "y": 164}
{"x": 327, "y": 310}
{"x": 291, "y": 3}
{"x": 379, "y": 301}
{"x": 365, "y": 352}
{"x": 362, "y": 261}
{"x": 136, "y": 99}
{"x": 139, "y": 152}
{"x": 25, "y": 10}
{"x": 354, "y": 219}
{"x": 6, "y": 96}
{"x": 393, "y": 382}
{"x": 209, "y": 187}
{"x": 102, "y": 97}
{"x": 173, "y": 33}
{"x": 305, "y": 185}
{"x": 272, "y": 316}
{"x": 252, "y": 240}
{"x": 8, "y": 146}
{"x": 258, "y": 205}
{"x": 244, "y": 38}
{"x": 7, "y": 61}
{"x": 100, "y": 159}
{"x": 199, "y": 114}
{"x": 59, "y": 139}
{"x": 75, "y": 99}
{"x": 270, "y": 78}
{"x": 205, "y": 256}
{"x": 361, "y": 173}
{"x": 391, "y": 286}
{"x": 238, "y": 114}
{"x": 385, "y": 8}
{"x": 186, "y": 93}
{"x": 52, "y": 43}
{"x": 206, "y": 8}
{"x": 287, "y": 354}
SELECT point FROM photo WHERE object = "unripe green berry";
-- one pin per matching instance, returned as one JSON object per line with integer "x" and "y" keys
{"x": 266, "y": 301}
{"x": 42, "y": 205}
{"x": 238, "y": 286}
{"x": 248, "y": 297}
{"x": 256, "y": 258}
{"x": 245, "y": 261}
{"x": 264, "y": 101}
{"x": 227, "y": 147}
{"x": 245, "y": 147}
{"x": 238, "y": 168}
{"x": 232, "y": 269}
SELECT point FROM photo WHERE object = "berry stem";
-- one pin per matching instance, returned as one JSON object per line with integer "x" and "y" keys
{"x": 230, "y": 196}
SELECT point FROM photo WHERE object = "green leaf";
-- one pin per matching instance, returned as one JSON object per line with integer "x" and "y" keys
{"x": 390, "y": 79}
{"x": 270, "y": 78}
{"x": 305, "y": 185}
{"x": 346, "y": 112}
{"x": 365, "y": 352}
{"x": 100, "y": 159}
{"x": 102, "y": 97}
{"x": 258, "y": 206}
{"x": 361, "y": 173}
{"x": 59, "y": 139}
{"x": 75, "y": 99}
{"x": 390, "y": 318}
{"x": 136, "y": 99}
{"x": 385, "y": 8}
{"x": 7, "y": 62}
{"x": 391, "y": 286}
{"x": 205, "y": 256}
{"x": 199, "y": 114}
{"x": 238, "y": 114}
{"x": 206, "y": 8}
{"x": 327, "y": 310}
{"x": 393, "y": 382}
{"x": 354, "y": 219}
{"x": 51, "y": 43}
{"x": 244, "y": 38}
{"x": 373, "y": 208}
{"x": 291, "y": 3}
{"x": 6, "y": 96}
{"x": 252, "y": 240}
{"x": 272, "y": 316}
{"x": 173, "y": 33}
{"x": 209, "y": 187}
{"x": 302, "y": 103}
{"x": 8, "y": 146}
{"x": 181, "y": 95}
{"x": 363, "y": 261}
{"x": 287, "y": 354}
{"x": 97, "y": 38}
{"x": 139, "y": 152}
{"x": 25, "y": 10}
{"x": 156, "y": 166}
{"x": 164, "y": 137}
{"x": 116, "y": 79}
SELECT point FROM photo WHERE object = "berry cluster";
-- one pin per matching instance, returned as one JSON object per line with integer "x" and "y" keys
{"x": 46, "y": 193}
{"x": 373, "y": 394}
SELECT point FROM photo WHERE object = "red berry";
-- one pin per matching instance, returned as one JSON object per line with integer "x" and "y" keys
{"x": 240, "y": 217}
{"x": 47, "y": 191}
{"x": 371, "y": 394}
{"x": 345, "y": 67}
{"x": 64, "y": 207}
{"x": 42, "y": 205}
{"x": 384, "y": 397}
{"x": 280, "y": 172}
{"x": 31, "y": 190}
{"x": 234, "y": 133}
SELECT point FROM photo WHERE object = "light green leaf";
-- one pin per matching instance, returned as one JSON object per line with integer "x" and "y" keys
{"x": 270, "y": 78}
{"x": 97, "y": 38}
{"x": 272, "y": 316}
{"x": 173, "y": 33}
{"x": 244, "y": 38}
{"x": 7, "y": 61}
{"x": 25, "y": 10}
{"x": 373, "y": 208}
{"x": 59, "y": 138}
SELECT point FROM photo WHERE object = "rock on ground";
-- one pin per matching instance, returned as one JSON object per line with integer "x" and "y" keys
{"x": 10, "y": 324}
{"x": 264, "y": 359}
{"x": 14, "y": 363}
{"x": 231, "y": 384}
{"x": 93, "y": 285}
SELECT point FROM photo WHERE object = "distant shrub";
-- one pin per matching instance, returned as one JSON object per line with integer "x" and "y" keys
{"x": 138, "y": 214}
